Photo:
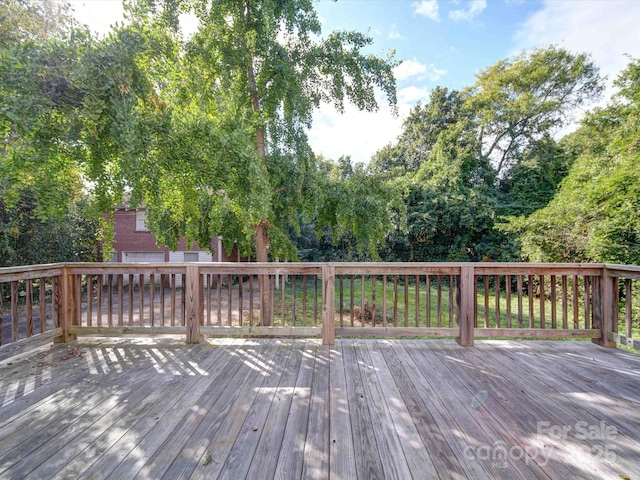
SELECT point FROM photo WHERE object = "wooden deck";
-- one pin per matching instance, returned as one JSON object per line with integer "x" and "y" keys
{"x": 115, "y": 408}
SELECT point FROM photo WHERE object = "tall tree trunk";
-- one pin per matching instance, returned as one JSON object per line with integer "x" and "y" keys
{"x": 261, "y": 238}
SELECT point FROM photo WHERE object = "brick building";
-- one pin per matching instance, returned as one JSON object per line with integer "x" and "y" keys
{"x": 133, "y": 242}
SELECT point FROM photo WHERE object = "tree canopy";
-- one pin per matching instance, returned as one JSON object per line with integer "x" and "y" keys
{"x": 594, "y": 216}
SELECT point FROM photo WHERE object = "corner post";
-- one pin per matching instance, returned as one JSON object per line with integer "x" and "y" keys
{"x": 466, "y": 306}
{"x": 328, "y": 305}
{"x": 193, "y": 303}
{"x": 67, "y": 304}
{"x": 605, "y": 310}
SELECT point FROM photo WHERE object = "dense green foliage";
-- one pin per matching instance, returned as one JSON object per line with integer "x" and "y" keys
{"x": 595, "y": 215}
{"x": 468, "y": 159}
{"x": 26, "y": 238}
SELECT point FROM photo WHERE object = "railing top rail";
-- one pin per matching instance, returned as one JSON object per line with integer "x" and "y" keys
{"x": 627, "y": 271}
{"x": 26, "y": 272}
{"x": 591, "y": 269}
{"x": 315, "y": 268}
{"x": 124, "y": 268}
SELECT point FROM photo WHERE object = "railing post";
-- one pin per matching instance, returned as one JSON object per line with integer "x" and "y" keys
{"x": 328, "y": 305}
{"x": 67, "y": 305}
{"x": 193, "y": 303}
{"x": 466, "y": 306}
{"x": 605, "y": 309}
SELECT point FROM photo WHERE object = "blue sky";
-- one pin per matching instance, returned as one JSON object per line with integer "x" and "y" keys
{"x": 445, "y": 42}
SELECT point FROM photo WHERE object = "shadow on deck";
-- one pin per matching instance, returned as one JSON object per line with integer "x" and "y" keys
{"x": 231, "y": 408}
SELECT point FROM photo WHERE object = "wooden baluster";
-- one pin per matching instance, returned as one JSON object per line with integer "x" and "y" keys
{"x": 417, "y": 302}
{"x": 520, "y": 312}
{"x": 427, "y": 305}
{"x": 152, "y": 303}
{"x": 395, "y": 300}
{"x": 530, "y": 296}
{"x": 29, "y": 306}
{"x": 565, "y": 304}
{"x": 497, "y": 290}
{"x": 406, "y": 300}
{"x": 628, "y": 308}
{"x": 110, "y": 299}
{"x": 384, "y": 300}
{"x": 241, "y": 299}
{"x": 304, "y": 300}
{"x": 131, "y": 291}
{"x": 542, "y": 299}
{"x": 554, "y": 305}
{"x": 439, "y": 300}
{"x": 575, "y": 302}
{"x": 507, "y": 288}
{"x": 43, "y": 305}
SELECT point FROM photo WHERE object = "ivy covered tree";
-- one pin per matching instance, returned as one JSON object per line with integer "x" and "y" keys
{"x": 468, "y": 157}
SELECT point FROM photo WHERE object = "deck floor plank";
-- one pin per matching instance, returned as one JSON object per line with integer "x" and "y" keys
{"x": 483, "y": 416}
{"x": 205, "y": 416}
{"x": 431, "y": 416}
{"x": 269, "y": 447}
{"x": 394, "y": 462}
{"x": 365, "y": 442}
{"x": 417, "y": 457}
{"x": 577, "y": 403}
{"x": 291, "y": 459}
{"x": 105, "y": 453}
{"x": 342, "y": 457}
{"x": 156, "y": 447}
{"x": 281, "y": 408}
{"x": 316, "y": 446}
{"x": 238, "y": 460}
{"x": 501, "y": 401}
{"x": 81, "y": 411}
{"x": 211, "y": 442}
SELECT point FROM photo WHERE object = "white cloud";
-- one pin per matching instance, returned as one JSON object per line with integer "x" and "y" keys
{"x": 411, "y": 95}
{"x": 394, "y": 34}
{"x": 417, "y": 70}
{"x": 607, "y": 30}
{"x": 476, "y": 7}
{"x": 427, "y": 8}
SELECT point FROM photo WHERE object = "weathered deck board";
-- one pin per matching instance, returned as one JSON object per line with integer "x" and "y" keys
{"x": 581, "y": 405}
{"x": 279, "y": 408}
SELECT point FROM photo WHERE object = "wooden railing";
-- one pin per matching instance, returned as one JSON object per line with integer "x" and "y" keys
{"x": 460, "y": 300}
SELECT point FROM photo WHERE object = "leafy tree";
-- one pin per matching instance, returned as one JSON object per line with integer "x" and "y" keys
{"x": 210, "y": 133}
{"x": 469, "y": 157}
{"x": 518, "y": 101}
{"x": 356, "y": 207}
{"x": 32, "y": 20}
{"x": 261, "y": 68}
{"x": 26, "y": 238}
{"x": 594, "y": 215}
{"x": 43, "y": 215}
{"x": 532, "y": 183}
